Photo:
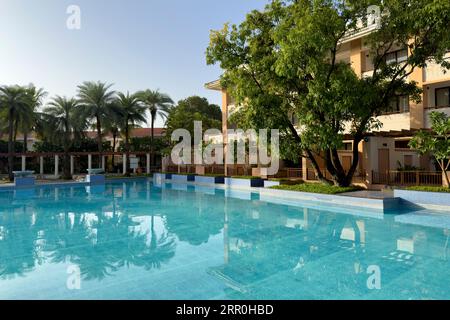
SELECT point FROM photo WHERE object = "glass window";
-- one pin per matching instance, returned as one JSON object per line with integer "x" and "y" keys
{"x": 402, "y": 144}
{"x": 399, "y": 104}
{"x": 393, "y": 105}
{"x": 391, "y": 58}
{"x": 402, "y": 55}
{"x": 348, "y": 146}
{"x": 403, "y": 103}
{"x": 397, "y": 56}
{"x": 443, "y": 97}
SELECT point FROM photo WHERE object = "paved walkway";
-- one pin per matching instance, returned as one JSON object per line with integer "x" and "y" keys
{"x": 370, "y": 194}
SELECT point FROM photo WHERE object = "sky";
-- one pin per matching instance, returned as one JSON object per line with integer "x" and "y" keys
{"x": 134, "y": 44}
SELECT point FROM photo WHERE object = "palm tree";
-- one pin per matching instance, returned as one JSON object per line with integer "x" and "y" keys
{"x": 112, "y": 125}
{"x": 96, "y": 100}
{"x": 63, "y": 122}
{"x": 13, "y": 99}
{"x": 132, "y": 113}
{"x": 27, "y": 120}
{"x": 158, "y": 104}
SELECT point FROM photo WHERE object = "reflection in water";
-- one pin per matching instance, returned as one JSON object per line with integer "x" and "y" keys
{"x": 152, "y": 240}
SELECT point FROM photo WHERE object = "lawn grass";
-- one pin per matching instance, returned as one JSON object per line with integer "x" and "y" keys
{"x": 429, "y": 189}
{"x": 245, "y": 177}
{"x": 317, "y": 188}
{"x": 130, "y": 177}
{"x": 286, "y": 181}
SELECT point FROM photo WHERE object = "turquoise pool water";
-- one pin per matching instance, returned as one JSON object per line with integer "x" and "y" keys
{"x": 140, "y": 241}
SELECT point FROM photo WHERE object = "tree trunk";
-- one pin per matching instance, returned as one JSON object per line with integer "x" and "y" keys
{"x": 66, "y": 163}
{"x": 309, "y": 155}
{"x": 67, "y": 175}
{"x": 444, "y": 171}
{"x": 114, "y": 148}
{"x": 25, "y": 142}
{"x": 10, "y": 146}
{"x": 151, "y": 142}
{"x": 127, "y": 150}
{"x": 334, "y": 165}
{"x": 99, "y": 139}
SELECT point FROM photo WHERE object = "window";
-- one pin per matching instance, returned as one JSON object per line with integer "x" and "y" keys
{"x": 398, "y": 56}
{"x": 347, "y": 146}
{"x": 443, "y": 97}
{"x": 399, "y": 104}
{"x": 402, "y": 144}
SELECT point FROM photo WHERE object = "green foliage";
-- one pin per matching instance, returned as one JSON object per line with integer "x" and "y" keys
{"x": 429, "y": 189}
{"x": 317, "y": 188}
{"x": 283, "y": 62}
{"x": 246, "y": 177}
{"x": 145, "y": 143}
{"x": 436, "y": 143}
{"x": 96, "y": 101}
{"x": 156, "y": 102}
{"x": 4, "y": 146}
{"x": 193, "y": 109}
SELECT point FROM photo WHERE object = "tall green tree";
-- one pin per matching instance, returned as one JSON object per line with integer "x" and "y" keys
{"x": 62, "y": 124}
{"x": 27, "y": 121}
{"x": 157, "y": 103}
{"x": 437, "y": 142}
{"x": 284, "y": 61}
{"x": 14, "y": 102}
{"x": 132, "y": 114}
{"x": 96, "y": 100}
{"x": 193, "y": 109}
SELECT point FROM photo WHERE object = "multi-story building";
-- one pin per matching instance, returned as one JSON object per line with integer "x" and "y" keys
{"x": 386, "y": 150}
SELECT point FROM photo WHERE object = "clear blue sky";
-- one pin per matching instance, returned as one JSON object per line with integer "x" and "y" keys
{"x": 135, "y": 44}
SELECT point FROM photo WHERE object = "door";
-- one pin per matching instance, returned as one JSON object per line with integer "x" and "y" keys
{"x": 383, "y": 165}
{"x": 346, "y": 163}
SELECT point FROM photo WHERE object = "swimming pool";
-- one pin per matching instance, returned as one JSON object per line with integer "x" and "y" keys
{"x": 136, "y": 240}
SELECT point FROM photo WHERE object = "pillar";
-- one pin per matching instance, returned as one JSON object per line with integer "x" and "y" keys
{"x": 225, "y": 103}
{"x": 304, "y": 169}
{"x": 41, "y": 165}
{"x": 89, "y": 161}
{"x": 148, "y": 163}
{"x": 72, "y": 168}
{"x": 124, "y": 165}
{"x": 56, "y": 165}
{"x": 24, "y": 163}
{"x": 103, "y": 163}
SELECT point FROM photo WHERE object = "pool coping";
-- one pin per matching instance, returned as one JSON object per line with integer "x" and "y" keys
{"x": 12, "y": 187}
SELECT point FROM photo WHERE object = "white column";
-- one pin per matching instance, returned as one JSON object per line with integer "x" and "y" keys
{"x": 72, "y": 167}
{"x": 89, "y": 161}
{"x": 124, "y": 171}
{"x": 103, "y": 163}
{"x": 56, "y": 165}
{"x": 41, "y": 165}
{"x": 148, "y": 163}
{"x": 24, "y": 163}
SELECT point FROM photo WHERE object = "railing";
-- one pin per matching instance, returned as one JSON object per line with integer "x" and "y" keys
{"x": 294, "y": 173}
{"x": 190, "y": 169}
{"x": 52, "y": 163}
{"x": 407, "y": 178}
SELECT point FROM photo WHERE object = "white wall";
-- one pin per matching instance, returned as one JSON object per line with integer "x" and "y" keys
{"x": 395, "y": 155}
